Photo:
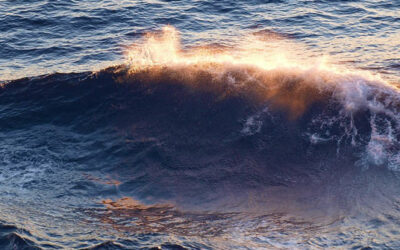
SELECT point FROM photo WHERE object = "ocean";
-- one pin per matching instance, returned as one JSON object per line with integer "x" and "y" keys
{"x": 199, "y": 124}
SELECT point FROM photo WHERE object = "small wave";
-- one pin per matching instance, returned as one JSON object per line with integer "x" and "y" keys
{"x": 10, "y": 239}
{"x": 106, "y": 245}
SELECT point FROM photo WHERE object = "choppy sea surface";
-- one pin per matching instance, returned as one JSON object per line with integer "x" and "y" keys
{"x": 199, "y": 124}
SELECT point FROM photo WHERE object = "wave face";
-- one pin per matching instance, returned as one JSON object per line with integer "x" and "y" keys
{"x": 201, "y": 151}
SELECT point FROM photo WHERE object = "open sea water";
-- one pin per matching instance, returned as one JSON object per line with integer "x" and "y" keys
{"x": 199, "y": 124}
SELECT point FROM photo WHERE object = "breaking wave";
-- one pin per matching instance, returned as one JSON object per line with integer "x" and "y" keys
{"x": 204, "y": 128}
{"x": 339, "y": 104}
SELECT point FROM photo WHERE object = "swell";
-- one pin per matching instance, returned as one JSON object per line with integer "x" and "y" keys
{"x": 203, "y": 137}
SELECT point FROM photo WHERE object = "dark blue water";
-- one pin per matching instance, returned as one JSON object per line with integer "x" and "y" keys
{"x": 199, "y": 124}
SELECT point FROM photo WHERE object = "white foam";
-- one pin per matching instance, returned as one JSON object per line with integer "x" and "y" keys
{"x": 254, "y": 123}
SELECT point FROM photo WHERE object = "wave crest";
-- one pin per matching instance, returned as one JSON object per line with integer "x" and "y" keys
{"x": 277, "y": 74}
